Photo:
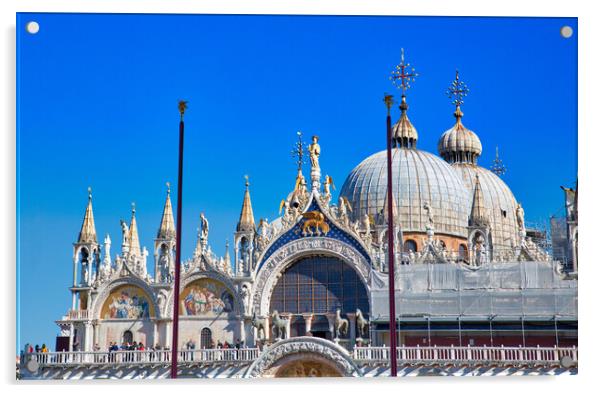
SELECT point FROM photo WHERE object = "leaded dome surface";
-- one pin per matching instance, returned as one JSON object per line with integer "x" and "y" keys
{"x": 419, "y": 177}
{"x": 500, "y": 204}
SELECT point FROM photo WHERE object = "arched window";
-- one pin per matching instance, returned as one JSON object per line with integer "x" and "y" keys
{"x": 410, "y": 245}
{"x": 319, "y": 285}
{"x": 128, "y": 337}
{"x": 463, "y": 251}
{"x": 206, "y": 338}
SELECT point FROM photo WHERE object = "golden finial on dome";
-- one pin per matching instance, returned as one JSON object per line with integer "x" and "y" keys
{"x": 457, "y": 91}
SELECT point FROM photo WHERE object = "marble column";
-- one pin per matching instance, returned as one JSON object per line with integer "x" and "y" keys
{"x": 308, "y": 317}
{"x": 71, "y": 336}
{"x": 96, "y": 331}
{"x": 88, "y": 336}
{"x": 155, "y": 333}
{"x": 242, "y": 335}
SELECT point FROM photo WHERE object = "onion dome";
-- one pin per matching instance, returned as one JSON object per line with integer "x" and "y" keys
{"x": 459, "y": 144}
{"x": 404, "y": 133}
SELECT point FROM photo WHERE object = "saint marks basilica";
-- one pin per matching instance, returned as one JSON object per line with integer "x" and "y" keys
{"x": 306, "y": 293}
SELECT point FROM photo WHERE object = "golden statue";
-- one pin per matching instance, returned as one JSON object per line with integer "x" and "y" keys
{"x": 315, "y": 220}
{"x": 314, "y": 152}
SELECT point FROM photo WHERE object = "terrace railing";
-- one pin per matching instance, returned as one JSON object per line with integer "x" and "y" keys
{"x": 470, "y": 356}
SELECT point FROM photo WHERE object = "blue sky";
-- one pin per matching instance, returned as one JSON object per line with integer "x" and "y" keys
{"x": 97, "y": 106}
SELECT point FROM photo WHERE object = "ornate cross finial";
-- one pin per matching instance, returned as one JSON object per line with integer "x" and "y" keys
{"x": 89, "y": 192}
{"x": 388, "y": 100}
{"x": 246, "y": 181}
{"x": 133, "y": 208}
{"x": 182, "y": 106}
{"x": 298, "y": 153}
{"x": 168, "y": 187}
{"x": 457, "y": 91}
{"x": 403, "y": 74}
{"x": 498, "y": 166}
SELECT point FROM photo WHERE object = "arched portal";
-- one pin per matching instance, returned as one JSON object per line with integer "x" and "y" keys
{"x": 303, "y": 356}
{"x": 318, "y": 285}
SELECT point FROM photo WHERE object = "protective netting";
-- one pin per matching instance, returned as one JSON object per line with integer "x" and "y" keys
{"x": 512, "y": 289}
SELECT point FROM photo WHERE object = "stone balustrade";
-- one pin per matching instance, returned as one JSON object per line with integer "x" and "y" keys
{"x": 470, "y": 356}
{"x": 201, "y": 356}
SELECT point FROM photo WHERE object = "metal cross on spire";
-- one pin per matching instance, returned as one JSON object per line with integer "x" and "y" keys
{"x": 457, "y": 91}
{"x": 403, "y": 74}
{"x": 498, "y": 166}
{"x": 298, "y": 153}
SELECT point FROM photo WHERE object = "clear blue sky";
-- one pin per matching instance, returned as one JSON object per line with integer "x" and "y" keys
{"x": 97, "y": 106}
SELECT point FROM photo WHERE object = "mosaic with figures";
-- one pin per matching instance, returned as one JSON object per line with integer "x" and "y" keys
{"x": 126, "y": 302}
{"x": 206, "y": 298}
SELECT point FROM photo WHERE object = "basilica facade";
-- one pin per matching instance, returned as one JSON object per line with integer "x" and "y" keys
{"x": 309, "y": 286}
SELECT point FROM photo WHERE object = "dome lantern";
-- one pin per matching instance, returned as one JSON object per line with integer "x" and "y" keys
{"x": 459, "y": 144}
{"x": 404, "y": 133}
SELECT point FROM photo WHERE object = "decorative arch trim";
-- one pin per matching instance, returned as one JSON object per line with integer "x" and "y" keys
{"x": 292, "y": 252}
{"x": 299, "y": 345}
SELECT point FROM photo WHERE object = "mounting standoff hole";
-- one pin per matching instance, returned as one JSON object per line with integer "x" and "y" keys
{"x": 566, "y": 31}
{"x": 32, "y": 27}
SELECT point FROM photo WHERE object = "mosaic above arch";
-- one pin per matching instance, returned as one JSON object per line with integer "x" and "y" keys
{"x": 206, "y": 297}
{"x": 127, "y": 302}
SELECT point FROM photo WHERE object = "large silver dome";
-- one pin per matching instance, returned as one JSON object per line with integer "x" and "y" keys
{"x": 418, "y": 177}
{"x": 500, "y": 204}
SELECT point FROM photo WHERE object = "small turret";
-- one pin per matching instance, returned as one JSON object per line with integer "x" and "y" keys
{"x": 86, "y": 251}
{"x": 133, "y": 240}
{"x": 246, "y": 221}
{"x": 165, "y": 243}
{"x": 244, "y": 235}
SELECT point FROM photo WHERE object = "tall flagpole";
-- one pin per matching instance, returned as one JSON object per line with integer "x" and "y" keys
{"x": 390, "y": 248}
{"x": 182, "y": 105}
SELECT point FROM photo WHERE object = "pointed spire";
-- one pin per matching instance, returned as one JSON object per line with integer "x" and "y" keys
{"x": 198, "y": 249}
{"x": 167, "y": 229}
{"x": 227, "y": 255}
{"x": 87, "y": 234}
{"x": 478, "y": 215}
{"x": 134, "y": 241}
{"x": 246, "y": 221}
